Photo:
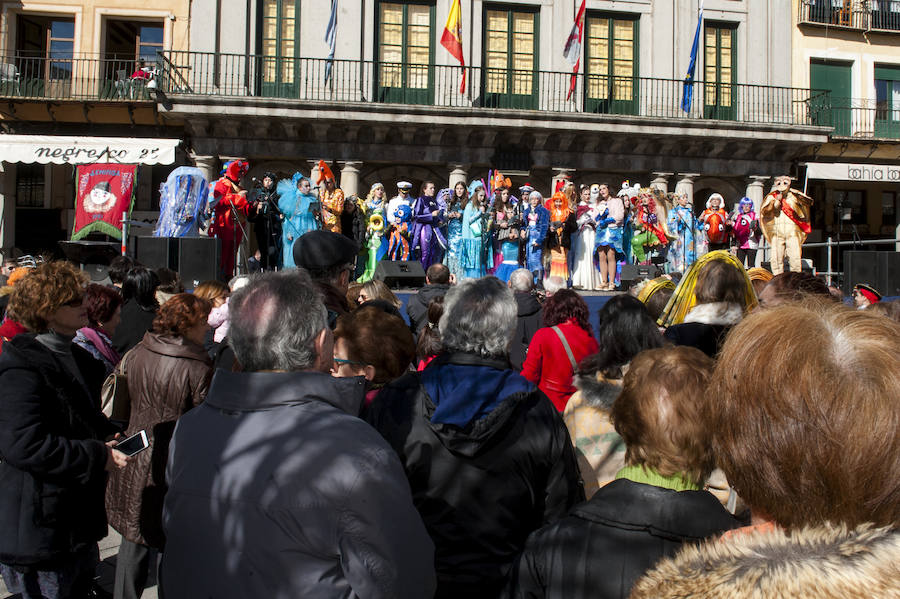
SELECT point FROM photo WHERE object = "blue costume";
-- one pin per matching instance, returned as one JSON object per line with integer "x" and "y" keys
{"x": 299, "y": 212}
{"x": 537, "y": 222}
{"x": 426, "y": 234}
{"x": 688, "y": 231}
{"x": 454, "y": 239}
{"x": 472, "y": 247}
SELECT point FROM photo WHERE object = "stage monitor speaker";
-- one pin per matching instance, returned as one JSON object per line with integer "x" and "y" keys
{"x": 881, "y": 270}
{"x": 636, "y": 272}
{"x": 198, "y": 259}
{"x": 156, "y": 252}
{"x": 400, "y": 273}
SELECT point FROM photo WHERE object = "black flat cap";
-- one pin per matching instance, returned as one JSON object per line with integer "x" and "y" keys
{"x": 321, "y": 250}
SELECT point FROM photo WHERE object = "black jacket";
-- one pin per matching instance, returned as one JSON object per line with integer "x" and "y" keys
{"x": 605, "y": 544}
{"x": 529, "y": 319}
{"x": 708, "y": 338}
{"x": 483, "y": 488}
{"x": 417, "y": 307}
{"x": 52, "y": 454}
{"x": 136, "y": 321}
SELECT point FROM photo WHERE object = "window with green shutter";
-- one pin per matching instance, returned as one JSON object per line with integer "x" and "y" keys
{"x": 887, "y": 101}
{"x": 611, "y": 64}
{"x": 510, "y": 74}
{"x": 405, "y": 50}
{"x": 719, "y": 64}
{"x": 280, "y": 64}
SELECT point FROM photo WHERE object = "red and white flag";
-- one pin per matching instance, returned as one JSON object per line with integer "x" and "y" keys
{"x": 572, "y": 51}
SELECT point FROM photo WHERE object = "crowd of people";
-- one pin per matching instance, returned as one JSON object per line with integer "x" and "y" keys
{"x": 726, "y": 433}
{"x": 582, "y": 236}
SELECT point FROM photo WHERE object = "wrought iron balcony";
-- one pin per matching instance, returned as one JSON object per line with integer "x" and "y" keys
{"x": 862, "y": 15}
{"x": 862, "y": 119}
{"x": 80, "y": 79}
{"x": 353, "y": 81}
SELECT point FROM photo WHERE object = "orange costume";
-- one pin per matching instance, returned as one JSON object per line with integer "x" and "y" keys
{"x": 229, "y": 214}
{"x": 558, "y": 238}
{"x": 332, "y": 201}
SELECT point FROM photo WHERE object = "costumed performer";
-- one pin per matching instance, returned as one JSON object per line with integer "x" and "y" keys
{"x": 745, "y": 232}
{"x": 688, "y": 231}
{"x": 266, "y": 218}
{"x": 455, "y": 207}
{"x": 784, "y": 220}
{"x": 402, "y": 197}
{"x": 229, "y": 214}
{"x": 426, "y": 235}
{"x": 535, "y": 222}
{"x": 865, "y": 295}
{"x": 509, "y": 239}
{"x": 181, "y": 199}
{"x": 714, "y": 220}
{"x": 376, "y": 223}
{"x": 649, "y": 225}
{"x": 502, "y": 216}
{"x": 559, "y": 235}
{"x": 684, "y": 299}
{"x": 473, "y": 225}
{"x": 331, "y": 199}
{"x": 585, "y": 274}
{"x": 300, "y": 209}
{"x": 610, "y": 237}
{"x": 398, "y": 248}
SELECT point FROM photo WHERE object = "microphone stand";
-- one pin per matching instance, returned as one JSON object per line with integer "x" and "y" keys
{"x": 235, "y": 225}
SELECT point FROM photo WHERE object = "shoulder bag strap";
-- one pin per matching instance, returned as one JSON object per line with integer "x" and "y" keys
{"x": 565, "y": 343}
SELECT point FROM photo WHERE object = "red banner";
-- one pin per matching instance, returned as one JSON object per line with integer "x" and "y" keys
{"x": 104, "y": 192}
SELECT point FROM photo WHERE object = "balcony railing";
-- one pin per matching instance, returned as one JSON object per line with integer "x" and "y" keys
{"x": 863, "y": 15}
{"x": 303, "y": 79}
{"x": 81, "y": 79}
{"x": 862, "y": 119}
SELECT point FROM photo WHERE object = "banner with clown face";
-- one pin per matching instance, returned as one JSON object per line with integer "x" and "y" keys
{"x": 104, "y": 192}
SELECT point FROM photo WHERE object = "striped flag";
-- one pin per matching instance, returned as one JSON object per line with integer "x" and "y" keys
{"x": 572, "y": 51}
{"x": 452, "y": 39}
{"x": 687, "y": 95}
{"x": 331, "y": 39}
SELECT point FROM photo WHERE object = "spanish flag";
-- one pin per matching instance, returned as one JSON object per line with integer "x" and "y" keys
{"x": 452, "y": 39}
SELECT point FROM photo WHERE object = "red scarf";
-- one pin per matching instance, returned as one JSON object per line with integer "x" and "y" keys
{"x": 789, "y": 212}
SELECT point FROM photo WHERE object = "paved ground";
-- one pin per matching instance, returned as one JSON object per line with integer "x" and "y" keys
{"x": 109, "y": 547}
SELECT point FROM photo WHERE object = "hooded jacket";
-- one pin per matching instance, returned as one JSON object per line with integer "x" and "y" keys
{"x": 605, "y": 544}
{"x": 167, "y": 376}
{"x": 277, "y": 489}
{"x": 417, "y": 307}
{"x": 822, "y": 562}
{"x": 52, "y": 454}
{"x": 529, "y": 318}
{"x": 488, "y": 460}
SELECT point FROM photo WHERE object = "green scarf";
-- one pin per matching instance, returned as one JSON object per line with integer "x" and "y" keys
{"x": 648, "y": 476}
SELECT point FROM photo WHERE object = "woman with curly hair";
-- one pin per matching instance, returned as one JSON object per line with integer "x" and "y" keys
{"x": 53, "y": 442}
{"x": 555, "y": 350}
{"x": 103, "y": 306}
{"x": 168, "y": 373}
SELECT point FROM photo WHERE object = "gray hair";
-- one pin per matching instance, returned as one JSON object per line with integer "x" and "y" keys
{"x": 554, "y": 284}
{"x": 522, "y": 280}
{"x": 479, "y": 317}
{"x": 275, "y": 320}
{"x": 536, "y": 195}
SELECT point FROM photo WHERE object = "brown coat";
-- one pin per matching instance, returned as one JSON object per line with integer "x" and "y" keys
{"x": 167, "y": 376}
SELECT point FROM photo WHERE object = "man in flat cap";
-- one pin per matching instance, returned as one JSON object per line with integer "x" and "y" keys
{"x": 330, "y": 259}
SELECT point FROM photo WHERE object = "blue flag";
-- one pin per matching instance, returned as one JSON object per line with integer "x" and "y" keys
{"x": 688, "y": 93}
{"x": 330, "y": 39}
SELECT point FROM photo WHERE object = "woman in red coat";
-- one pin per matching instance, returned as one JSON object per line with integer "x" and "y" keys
{"x": 556, "y": 349}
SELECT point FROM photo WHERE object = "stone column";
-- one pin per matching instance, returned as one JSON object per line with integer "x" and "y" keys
{"x": 350, "y": 177}
{"x": 661, "y": 181}
{"x": 756, "y": 190}
{"x": 457, "y": 174}
{"x": 8, "y": 197}
{"x": 207, "y": 164}
{"x": 685, "y": 185}
{"x": 562, "y": 174}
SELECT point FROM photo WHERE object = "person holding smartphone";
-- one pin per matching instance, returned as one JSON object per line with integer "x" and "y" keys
{"x": 55, "y": 444}
{"x": 168, "y": 373}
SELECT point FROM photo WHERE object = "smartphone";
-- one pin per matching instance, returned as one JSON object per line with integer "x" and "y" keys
{"x": 134, "y": 444}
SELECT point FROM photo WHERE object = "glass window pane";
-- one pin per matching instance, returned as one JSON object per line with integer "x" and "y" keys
{"x": 151, "y": 34}
{"x": 62, "y": 29}
{"x": 287, "y": 29}
{"x": 288, "y": 9}
{"x": 523, "y": 22}
{"x": 392, "y": 13}
{"x": 270, "y": 29}
{"x": 270, "y": 8}
{"x": 523, "y": 44}
{"x": 624, "y": 29}
{"x": 497, "y": 20}
{"x": 391, "y": 54}
{"x": 419, "y": 15}
{"x": 148, "y": 52}
{"x": 60, "y": 49}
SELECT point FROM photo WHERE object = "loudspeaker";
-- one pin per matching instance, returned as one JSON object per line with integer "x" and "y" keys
{"x": 633, "y": 272}
{"x": 156, "y": 252}
{"x": 198, "y": 259}
{"x": 400, "y": 273}
{"x": 881, "y": 270}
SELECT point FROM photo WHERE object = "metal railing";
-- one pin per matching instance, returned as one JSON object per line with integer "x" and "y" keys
{"x": 861, "y": 119}
{"x": 80, "y": 78}
{"x": 863, "y": 15}
{"x": 354, "y": 81}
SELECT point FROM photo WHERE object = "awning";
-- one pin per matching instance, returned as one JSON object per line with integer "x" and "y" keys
{"x": 62, "y": 149}
{"x": 843, "y": 171}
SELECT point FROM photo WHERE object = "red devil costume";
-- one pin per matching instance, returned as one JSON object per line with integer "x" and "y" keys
{"x": 230, "y": 213}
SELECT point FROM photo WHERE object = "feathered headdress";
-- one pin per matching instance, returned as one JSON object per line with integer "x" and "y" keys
{"x": 236, "y": 170}
{"x": 324, "y": 173}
